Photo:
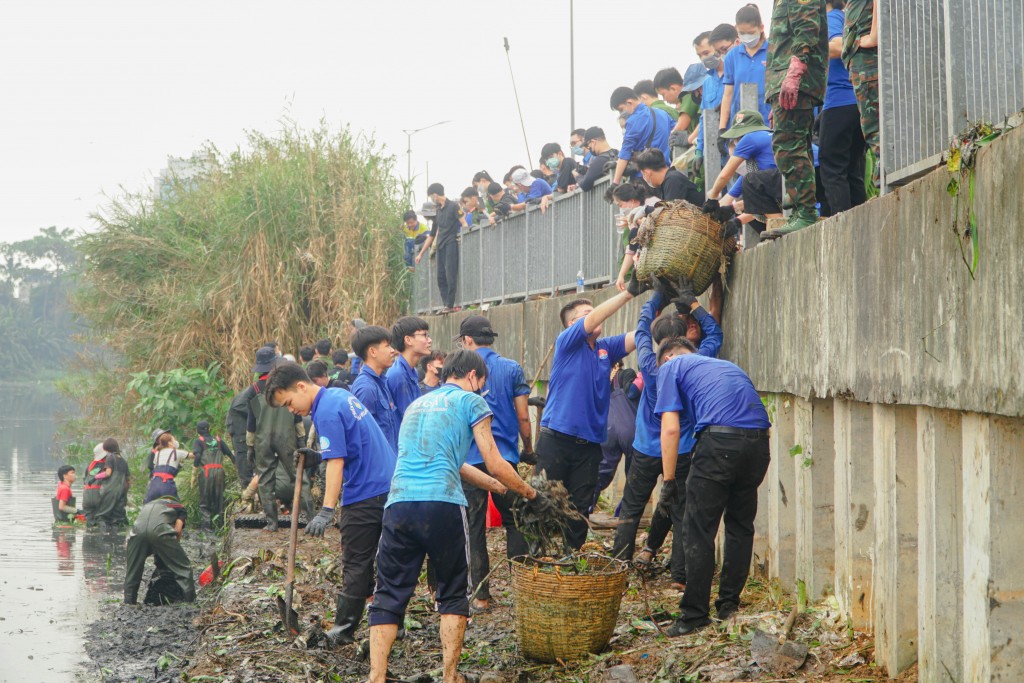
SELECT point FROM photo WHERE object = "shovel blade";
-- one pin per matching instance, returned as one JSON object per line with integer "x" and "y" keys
{"x": 289, "y": 617}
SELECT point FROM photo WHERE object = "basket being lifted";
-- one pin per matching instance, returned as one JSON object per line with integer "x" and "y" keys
{"x": 681, "y": 243}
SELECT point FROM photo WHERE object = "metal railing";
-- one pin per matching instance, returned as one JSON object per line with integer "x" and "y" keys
{"x": 531, "y": 253}
{"x": 944, "y": 64}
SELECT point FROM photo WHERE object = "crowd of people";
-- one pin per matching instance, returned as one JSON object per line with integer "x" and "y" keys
{"x": 411, "y": 443}
{"x": 814, "y": 131}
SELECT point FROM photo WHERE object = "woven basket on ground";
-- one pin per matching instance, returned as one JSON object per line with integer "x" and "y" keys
{"x": 562, "y": 614}
{"x": 679, "y": 243}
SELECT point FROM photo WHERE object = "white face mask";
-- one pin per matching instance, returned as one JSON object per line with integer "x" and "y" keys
{"x": 749, "y": 39}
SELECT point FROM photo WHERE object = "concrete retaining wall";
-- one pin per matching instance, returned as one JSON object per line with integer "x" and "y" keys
{"x": 893, "y": 378}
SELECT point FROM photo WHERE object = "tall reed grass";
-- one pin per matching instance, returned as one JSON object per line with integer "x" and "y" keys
{"x": 286, "y": 239}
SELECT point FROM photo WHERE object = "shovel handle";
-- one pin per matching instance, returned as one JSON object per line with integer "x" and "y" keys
{"x": 293, "y": 534}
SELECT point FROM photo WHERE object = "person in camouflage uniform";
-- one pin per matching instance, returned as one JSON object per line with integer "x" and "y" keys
{"x": 794, "y": 85}
{"x": 860, "y": 55}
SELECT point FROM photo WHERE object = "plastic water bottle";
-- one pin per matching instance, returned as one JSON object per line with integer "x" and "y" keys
{"x": 579, "y": 282}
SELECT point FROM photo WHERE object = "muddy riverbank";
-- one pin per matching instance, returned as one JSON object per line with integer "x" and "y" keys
{"x": 237, "y": 634}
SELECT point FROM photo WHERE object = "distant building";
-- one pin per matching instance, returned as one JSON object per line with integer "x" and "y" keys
{"x": 182, "y": 172}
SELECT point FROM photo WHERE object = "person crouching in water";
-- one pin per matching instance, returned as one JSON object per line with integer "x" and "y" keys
{"x": 164, "y": 463}
{"x": 360, "y": 464}
{"x": 95, "y": 473}
{"x": 425, "y": 514}
{"x": 209, "y": 453}
{"x": 157, "y": 532}
{"x": 64, "y": 509}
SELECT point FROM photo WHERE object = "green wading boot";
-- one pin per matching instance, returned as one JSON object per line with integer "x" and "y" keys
{"x": 800, "y": 219}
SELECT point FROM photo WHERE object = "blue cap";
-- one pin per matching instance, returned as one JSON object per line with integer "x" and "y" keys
{"x": 694, "y": 77}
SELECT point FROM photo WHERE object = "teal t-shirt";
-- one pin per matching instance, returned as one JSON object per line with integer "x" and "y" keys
{"x": 432, "y": 445}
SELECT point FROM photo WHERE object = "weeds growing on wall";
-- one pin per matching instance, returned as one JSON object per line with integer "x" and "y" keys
{"x": 285, "y": 240}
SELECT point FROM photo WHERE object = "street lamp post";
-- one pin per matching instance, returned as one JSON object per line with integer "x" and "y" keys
{"x": 408, "y": 153}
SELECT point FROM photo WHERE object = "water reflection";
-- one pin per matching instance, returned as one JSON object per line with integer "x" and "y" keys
{"x": 53, "y": 580}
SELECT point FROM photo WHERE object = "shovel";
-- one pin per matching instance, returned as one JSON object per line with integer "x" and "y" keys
{"x": 780, "y": 655}
{"x": 289, "y": 617}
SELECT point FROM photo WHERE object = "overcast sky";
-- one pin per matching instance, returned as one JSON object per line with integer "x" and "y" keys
{"x": 97, "y": 94}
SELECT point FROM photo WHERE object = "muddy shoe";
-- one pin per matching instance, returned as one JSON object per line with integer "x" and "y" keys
{"x": 271, "y": 524}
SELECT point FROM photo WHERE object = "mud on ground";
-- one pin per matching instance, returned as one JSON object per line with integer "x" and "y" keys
{"x": 133, "y": 643}
{"x": 240, "y": 637}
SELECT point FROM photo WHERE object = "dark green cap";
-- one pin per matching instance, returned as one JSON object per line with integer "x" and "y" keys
{"x": 745, "y": 121}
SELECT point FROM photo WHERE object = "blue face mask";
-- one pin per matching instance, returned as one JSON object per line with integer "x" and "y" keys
{"x": 553, "y": 163}
{"x": 578, "y": 151}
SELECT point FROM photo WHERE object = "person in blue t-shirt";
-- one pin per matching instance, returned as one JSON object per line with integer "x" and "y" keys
{"x": 373, "y": 345}
{"x": 745, "y": 63}
{"x": 575, "y": 421}
{"x": 645, "y": 128}
{"x": 729, "y": 462}
{"x": 711, "y": 48}
{"x": 840, "y": 138}
{"x": 671, "y": 506}
{"x": 425, "y": 515}
{"x": 360, "y": 464}
{"x": 536, "y": 190}
{"x": 410, "y": 337}
{"x": 506, "y": 395}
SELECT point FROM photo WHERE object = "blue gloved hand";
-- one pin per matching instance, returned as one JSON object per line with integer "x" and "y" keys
{"x": 319, "y": 524}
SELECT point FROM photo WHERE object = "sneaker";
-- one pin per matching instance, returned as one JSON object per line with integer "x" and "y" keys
{"x": 797, "y": 221}
{"x": 683, "y": 628}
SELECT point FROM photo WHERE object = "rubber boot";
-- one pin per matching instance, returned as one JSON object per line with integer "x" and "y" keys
{"x": 347, "y": 615}
{"x": 270, "y": 512}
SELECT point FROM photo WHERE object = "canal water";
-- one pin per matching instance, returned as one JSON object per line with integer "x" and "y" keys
{"x": 53, "y": 580}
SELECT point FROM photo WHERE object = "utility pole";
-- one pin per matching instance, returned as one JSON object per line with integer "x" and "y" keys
{"x": 408, "y": 154}
{"x": 572, "y": 69}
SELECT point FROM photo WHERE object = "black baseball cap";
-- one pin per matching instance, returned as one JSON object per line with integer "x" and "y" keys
{"x": 475, "y": 326}
{"x": 593, "y": 133}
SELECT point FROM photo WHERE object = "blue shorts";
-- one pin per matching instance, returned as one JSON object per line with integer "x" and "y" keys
{"x": 411, "y": 532}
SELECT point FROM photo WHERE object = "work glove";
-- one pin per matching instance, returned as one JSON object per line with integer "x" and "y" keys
{"x": 70, "y": 510}
{"x": 319, "y": 524}
{"x": 731, "y": 228}
{"x": 696, "y": 164}
{"x": 194, "y": 478}
{"x": 635, "y": 287}
{"x": 723, "y": 145}
{"x": 710, "y": 206}
{"x": 724, "y": 213}
{"x": 790, "y": 90}
{"x": 248, "y": 494}
{"x": 527, "y": 457}
{"x": 669, "y": 493}
{"x": 679, "y": 138}
{"x": 666, "y": 287}
{"x": 313, "y": 458}
{"x": 686, "y": 298}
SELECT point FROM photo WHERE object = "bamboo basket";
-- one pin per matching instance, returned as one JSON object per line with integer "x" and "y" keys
{"x": 681, "y": 243}
{"x": 565, "y": 615}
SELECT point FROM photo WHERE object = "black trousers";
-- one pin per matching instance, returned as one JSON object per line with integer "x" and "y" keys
{"x": 448, "y": 272}
{"x": 573, "y": 462}
{"x": 724, "y": 475}
{"x": 841, "y": 155}
{"x": 662, "y": 524}
{"x": 640, "y": 482}
{"x": 360, "y": 534}
{"x": 479, "y": 560}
